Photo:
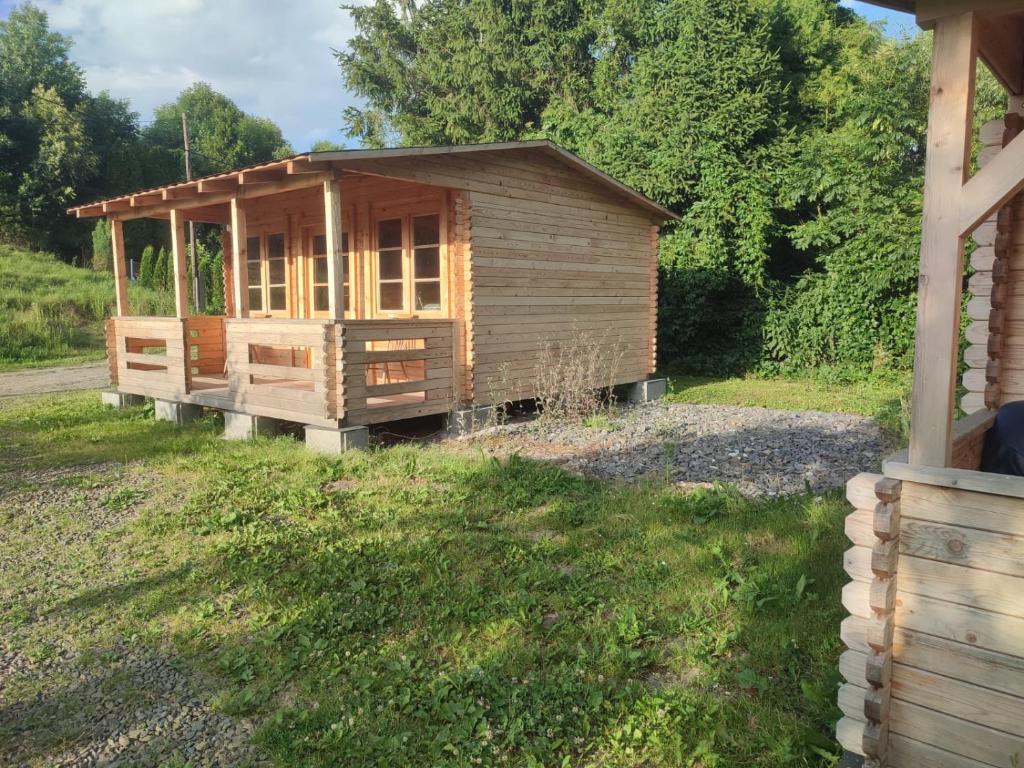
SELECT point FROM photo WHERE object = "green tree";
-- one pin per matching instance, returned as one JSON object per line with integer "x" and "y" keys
{"x": 222, "y": 137}
{"x": 147, "y": 266}
{"x": 162, "y": 271}
{"x": 102, "y": 247}
{"x": 56, "y": 141}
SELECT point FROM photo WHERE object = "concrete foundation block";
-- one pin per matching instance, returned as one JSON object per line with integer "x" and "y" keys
{"x": 468, "y": 420}
{"x": 245, "y": 426}
{"x": 120, "y": 399}
{"x": 178, "y": 413}
{"x": 647, "y": 391}
{"x": 335, "y": 441}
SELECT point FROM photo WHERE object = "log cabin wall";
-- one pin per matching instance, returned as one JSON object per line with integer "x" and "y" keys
{"x": 552, "y": 260}
{"x": 994, "y": 358}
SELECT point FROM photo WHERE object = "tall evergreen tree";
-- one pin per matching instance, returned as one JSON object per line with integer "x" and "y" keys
{"x": 147, "y": 266}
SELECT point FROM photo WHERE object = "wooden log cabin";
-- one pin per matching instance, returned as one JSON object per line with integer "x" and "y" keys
{"x": 366, "y": 286}
{"x": 934, "y": 666}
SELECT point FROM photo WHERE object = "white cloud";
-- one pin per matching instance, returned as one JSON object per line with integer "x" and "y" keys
{"x": 273, "y": 58}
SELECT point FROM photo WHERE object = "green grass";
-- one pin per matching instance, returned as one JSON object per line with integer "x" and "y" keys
{"x": 885, "y": 400}
{"x": 51, "y": 312}
{"x": 418, "y": 606}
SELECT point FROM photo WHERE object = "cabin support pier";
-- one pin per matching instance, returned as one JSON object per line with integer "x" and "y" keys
{"x": 178, "y": 413}
{"x": 647, "y": 391}
{"x": 466, "y": 421}
{"x": 336, "y": 441}
{"x": 245, "y": 426}
{"x": 120, "y": 399}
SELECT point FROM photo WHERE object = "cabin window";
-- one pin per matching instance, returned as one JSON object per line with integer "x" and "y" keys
{"x": 254, "y": 269}
{"x": 409, "y": 264}
{"x": 267, "y": 274}
{"x": 390, "y": 266}
{"x": 319, "y": 284}
{"x": 426, "y": 261}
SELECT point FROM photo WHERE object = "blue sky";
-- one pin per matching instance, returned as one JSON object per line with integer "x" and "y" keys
{"x": 272, "y": 57}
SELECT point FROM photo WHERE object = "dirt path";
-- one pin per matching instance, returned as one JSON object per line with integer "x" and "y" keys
{"x": 34, "y": 381}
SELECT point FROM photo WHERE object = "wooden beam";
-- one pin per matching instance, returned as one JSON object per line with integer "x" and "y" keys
{"x": 299, "y": 181}
{"x": 239, "y": 257}
{"x": 146, "y": 198}
{"x": 179, "y": 264}
{"x": 950, "y": 124}
{"x": 229, "y": 184}
{"x": 993, "y": 186}
{"x": 931, "y": 11}
{"x": 116, "y": 205}
{"x": 260, "y": 176}
{"x": 335, "y": 254}
{"x": 305, "y": 165}
{"x": 120, "y": 276}
{"x": 180, "y": 193}
{"x": 999, "y": 45}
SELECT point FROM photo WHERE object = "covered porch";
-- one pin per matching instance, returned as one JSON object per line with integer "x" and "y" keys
{"x": 342, "y": 293}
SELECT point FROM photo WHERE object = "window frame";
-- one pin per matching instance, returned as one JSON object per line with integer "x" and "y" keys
{"x": 264, "y": 286}
{"x": 309, "y": 234}
{"x": 406, "y": 214}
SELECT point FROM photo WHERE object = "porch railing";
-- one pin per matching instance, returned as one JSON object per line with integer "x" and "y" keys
{"x": 396, "y": 369}
{"x": 284, "y": 369}
{"x": 148, "y": 355}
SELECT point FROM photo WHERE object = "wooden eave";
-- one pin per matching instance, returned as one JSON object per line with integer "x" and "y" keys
{"x": 542, "y": 146}
{"x": 310, "y": 169}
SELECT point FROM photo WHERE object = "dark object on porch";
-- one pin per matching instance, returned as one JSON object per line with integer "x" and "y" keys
{"x": 1004, "y": 443}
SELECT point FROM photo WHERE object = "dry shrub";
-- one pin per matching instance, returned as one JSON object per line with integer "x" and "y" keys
{"x": 575, "y": 378}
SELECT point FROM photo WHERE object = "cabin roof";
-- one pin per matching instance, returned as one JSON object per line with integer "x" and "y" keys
{"x": 310, "y": 161}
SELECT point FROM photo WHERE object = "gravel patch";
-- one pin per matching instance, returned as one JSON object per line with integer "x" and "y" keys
{"x": 762, "y": 452}
{"x": 77, "y": 700}
{"x": 120, "y": 706}
{"x": 62, "y": 378}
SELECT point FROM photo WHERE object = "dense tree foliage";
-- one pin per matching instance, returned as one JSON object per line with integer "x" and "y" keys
{"x": 61, "y": 145}
{"x": 787, "y": 133}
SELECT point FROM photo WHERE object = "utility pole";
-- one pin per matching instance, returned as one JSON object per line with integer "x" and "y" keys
{"x": 197, "y": 281}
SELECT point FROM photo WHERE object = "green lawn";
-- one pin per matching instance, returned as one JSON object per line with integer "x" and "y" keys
{"x": 885, "y": 400}
{"x": 418, "y": 606}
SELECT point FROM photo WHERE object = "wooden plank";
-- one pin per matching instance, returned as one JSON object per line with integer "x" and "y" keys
{"x": 964, "y": 624}
{"x": 854, "y": 632}
{"x": 120, "y": 272}
{"x": 967, "y": 480}
{"x": 857, "y": 564}
{"x": 239, "y": 249}
{"x": 178, "y": 258}
{"x": 335, "y": 255}
{"x": 851, "y": 701}
{"x": 958, "y": 699}
{"x": 980, "y": 589}
{"x": 946, "y": 166}
{"x": 909, "y": 753}
{"x": 972, "y": 547}
{"x": 850, "y": 735}
{"x": 989, "y": 669}
{"x": 852, "y": 666}
{"x": 859, "y": 528}
{"x": 857, "y": 599}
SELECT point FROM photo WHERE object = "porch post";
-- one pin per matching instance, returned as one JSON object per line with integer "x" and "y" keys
{"x": 239, "y": 255}
{"x": 180, "y": 270}
{"x": 120, "y": 278}
{"x": 335, "y": 254}
{"x": 950, "y": 123}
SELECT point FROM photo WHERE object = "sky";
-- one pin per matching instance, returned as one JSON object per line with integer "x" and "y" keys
{"x": 271, "y": 57}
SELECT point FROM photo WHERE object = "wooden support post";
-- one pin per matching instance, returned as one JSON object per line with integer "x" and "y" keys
{"x": 942, "y": 245}
{"x": 335, "y": 254}
{"x": 240, "y": 256}
{"x": 179, "y": 264}
{"x": 120, "y": 277}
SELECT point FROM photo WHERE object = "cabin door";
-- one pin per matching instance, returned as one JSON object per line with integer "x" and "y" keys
{"x": 317, "y": 288}
{"x": 408, "y": 265}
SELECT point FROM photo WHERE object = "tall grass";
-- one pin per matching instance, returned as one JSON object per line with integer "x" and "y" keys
{"x": 51, "y": 311}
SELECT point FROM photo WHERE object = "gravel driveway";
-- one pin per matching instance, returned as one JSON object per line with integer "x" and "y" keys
{"x": 35, "y": 381}
{"x": 763, "y": 452}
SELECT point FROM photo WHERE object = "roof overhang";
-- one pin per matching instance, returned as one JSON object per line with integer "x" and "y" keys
{"x": 309, "y": 169}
